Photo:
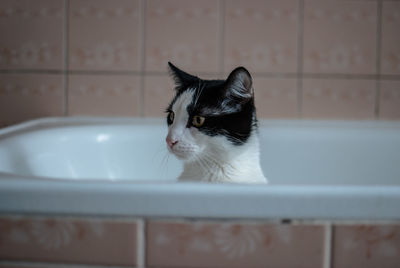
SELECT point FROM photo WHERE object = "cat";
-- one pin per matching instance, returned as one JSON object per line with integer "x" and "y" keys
{"x": 212, "y": 127}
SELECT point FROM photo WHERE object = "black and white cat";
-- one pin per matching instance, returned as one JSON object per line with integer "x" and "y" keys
{"x": 212, "y": 127}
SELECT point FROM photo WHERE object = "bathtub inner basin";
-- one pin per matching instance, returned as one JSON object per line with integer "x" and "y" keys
{"x": 292, "y": 151}
{"x": 90, "y": 151}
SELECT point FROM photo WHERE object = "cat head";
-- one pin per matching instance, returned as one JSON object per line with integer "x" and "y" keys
{"x": 208, "y": 115}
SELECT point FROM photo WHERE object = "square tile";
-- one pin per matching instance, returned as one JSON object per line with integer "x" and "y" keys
{"x": 338, "y": 99}
{"x": 104, "y": 242}
{"x": 184, "y": 32}
{"x": 261, "y": 35}
{"x": 104, "y": 95}
{"x": 366, "y": 246}
{"x": 390, "y": 51}
{"x": 340, "y": 37}
{"x": 28, "y": 96}
{"x": 158, "y": 93}
{"x": 276, "y": 97}
{"x": 32, "y": 34}
{"x": 104, "y": 35}
{"x": 230, "y": 244}
{"x": 389, "y": 102}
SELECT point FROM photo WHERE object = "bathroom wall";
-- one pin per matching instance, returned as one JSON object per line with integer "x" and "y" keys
{"x": 309, "y": 59}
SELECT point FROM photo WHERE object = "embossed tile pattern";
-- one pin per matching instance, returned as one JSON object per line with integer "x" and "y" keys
{"x": 68, "y": 240}
{"x": 200, "y": 244}
{"x": 340, "y": 37}
{"x": 366, "y": 246}
{"x": 390, "y": 38}
{"x": 29, "y": 96}
{"x": 110, "y": 95}
{"x": 104, "y": 35}
{"x": 184, "y": 32}
{"x": 389, "y": 105}
{"x": 262, "y": 37}
{"x": 339, "y": 99}
{"x": 158, "y": 92}
{"x": 276, "y": 97}
{"x": 31, "y": 34}
{"x": 132, "y": 40}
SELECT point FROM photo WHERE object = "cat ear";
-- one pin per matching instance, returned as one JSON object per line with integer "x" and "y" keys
{"x": 181, "y": 78}
{"x": 239, "y": 85}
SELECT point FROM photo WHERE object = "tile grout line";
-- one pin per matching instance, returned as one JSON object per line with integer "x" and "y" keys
{"x": 160, "y": 73}
{"x": 142, "y": 53}
{"x": 327, "y": 248}
{"x": 221, "y": 35}
{"x": 378, "y": 58}
{"x": 65, "y": 72}
{"x": 142, "y": 49}
{"x": 300, "y": 41}
{"x": 141, "y": 244}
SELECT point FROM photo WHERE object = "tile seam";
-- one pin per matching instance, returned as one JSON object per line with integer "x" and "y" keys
{"x": 66, "y": 57}
{"x": 300, "y": 45}
{"x": 141, "y": 243}
{"x": 221, "y": 35}
{"x": 327, "y": 247}
{"x": 378, "y": 58}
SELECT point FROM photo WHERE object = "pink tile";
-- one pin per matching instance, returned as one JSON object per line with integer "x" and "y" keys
{"x": 390, "y": 52}
{"x": 28, "y": 96}
{"x": 104, "y": 35}
{"x": 158, "y": 93}
{"x": 66, "y": 240}
{"x": 261, "y": 35}
{"x": 104, "y": 95}
{"x": 340, "y": 37}
{"x": 366, "y": 246}
{"x": 341, "y": 99}
{"x": 202, "y": 244}
{"x": 184, "y": 32}
{"x": 389, "y": 102}
{"x": 31, "y": 34}
{"x": 276, "y": 97}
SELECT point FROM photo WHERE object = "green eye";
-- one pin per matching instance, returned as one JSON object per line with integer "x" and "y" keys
{"x": 198, "y": 121}
{"x": 170, "y": 117}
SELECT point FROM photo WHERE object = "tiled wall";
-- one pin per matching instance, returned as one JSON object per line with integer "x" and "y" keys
{"x": 309, "y": 59}
{"x": 47, "y": 242}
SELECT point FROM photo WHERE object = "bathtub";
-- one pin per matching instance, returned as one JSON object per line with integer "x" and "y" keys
{"x": 318, "y": 170}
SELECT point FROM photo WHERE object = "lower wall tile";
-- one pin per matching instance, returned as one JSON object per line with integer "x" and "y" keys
{"x": 62, "y": 240}
{"x": 202, "y": 244}
{"x": 366, "y": 246}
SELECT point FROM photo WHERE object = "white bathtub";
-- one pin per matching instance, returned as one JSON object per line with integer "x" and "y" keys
{"x": 319, "y": 170}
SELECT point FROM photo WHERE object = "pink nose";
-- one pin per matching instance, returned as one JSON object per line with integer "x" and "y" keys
{"x": 171, "y": 142}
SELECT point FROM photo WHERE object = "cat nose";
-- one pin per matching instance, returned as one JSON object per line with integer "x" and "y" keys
{"x": 171, "y": 142}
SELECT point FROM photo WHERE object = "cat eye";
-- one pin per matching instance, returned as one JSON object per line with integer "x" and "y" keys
{"x": 198, "y": 121}
{"x": 171, "y": 117}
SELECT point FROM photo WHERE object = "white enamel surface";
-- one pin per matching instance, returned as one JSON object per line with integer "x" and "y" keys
{"x": 318, "y": 170}
{"x": 100, "y": 151}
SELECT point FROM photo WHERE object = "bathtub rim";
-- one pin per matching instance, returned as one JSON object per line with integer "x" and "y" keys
{"x": 22, "y": 195}
{"x": 177, "y": 200}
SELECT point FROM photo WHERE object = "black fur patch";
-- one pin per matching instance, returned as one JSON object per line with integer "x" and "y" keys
{"x": 227, "y": 105}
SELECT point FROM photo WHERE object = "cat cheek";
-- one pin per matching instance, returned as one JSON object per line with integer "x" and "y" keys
{"x": 194, "y": 131}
